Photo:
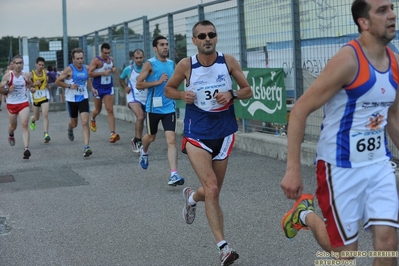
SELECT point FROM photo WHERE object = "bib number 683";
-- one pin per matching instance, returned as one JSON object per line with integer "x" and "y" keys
{"x": 369, "y": 144}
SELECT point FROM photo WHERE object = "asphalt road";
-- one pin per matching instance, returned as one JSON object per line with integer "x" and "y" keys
{"x": 63, "y": 209}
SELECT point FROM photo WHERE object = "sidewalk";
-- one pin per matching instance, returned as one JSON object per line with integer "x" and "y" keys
{"x": 256, "y": 142}
{"x": 63, "y": 209}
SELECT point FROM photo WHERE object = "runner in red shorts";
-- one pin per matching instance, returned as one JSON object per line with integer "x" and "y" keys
{"x": 15, "y": 85}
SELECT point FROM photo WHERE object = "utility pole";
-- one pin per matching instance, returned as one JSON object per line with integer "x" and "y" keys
{"x": 10, "y": 52}
{"x": 65, "y": 27}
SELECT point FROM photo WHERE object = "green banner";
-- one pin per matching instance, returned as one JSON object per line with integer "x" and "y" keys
{"x": 268, "y": 102}
{"x": 181, "y": 103}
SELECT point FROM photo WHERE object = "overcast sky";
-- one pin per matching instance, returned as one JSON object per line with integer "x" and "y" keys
{"x": 33, "y": 18}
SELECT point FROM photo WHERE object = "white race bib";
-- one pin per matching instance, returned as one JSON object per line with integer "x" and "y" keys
{"x": 366, "y": 145}
{"x": 105, "y": 80}
{"x": 18, "y": 92}
{"x": 206, "y": 97}
{"x": 81, "y": 89}
{"x": 157, "y": 101}
{"x": 39, "y": 94}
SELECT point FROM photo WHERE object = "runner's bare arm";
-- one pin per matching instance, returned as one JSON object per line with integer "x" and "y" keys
{"x": 90, "y": 85}
{"x": 123, "y": 82}
{"x": 141, "y": 83}
{"x": 95, "y": 64}
{"x": 29, "y": 79}
{"x": 4, "y": 82}
{"x": 339, "y": 71}
{"x": 393, "y": 118}
{"x": 66, "y": 74}
{"x": 179, "y": 75}
{"x": 245, "y": 91}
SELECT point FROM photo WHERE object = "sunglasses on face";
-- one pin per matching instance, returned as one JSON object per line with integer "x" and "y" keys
{"x": 202, "y": 36}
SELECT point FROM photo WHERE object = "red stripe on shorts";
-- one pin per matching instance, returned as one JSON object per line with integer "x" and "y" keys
{"x": 324, "y": 193}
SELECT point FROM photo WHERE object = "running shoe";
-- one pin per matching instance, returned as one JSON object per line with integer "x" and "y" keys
{"x": 176, "y": 179}
{"x": 46, "y": 137}
{"x": 87, "y": 152}
{"x": 228, "y": 256}
{"x": 26, "y": 154}
{"x": 291, "y": 223}
{"x": 114, "y": 137}
{"x": 143, "y": 159}
{"x": 139, "y": 144}
{"x": 394, "y": 165}
{"x": 188, "y": 209}
{"x": 71, "y": 137}
{"x": 93, "y": 125}
{"x": 135, "y": 147}
{"x": 11, "y": 140}
{"x": 32, "y": 124}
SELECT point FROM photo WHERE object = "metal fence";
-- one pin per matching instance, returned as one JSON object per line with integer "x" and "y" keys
{"x": 298, "y": 36}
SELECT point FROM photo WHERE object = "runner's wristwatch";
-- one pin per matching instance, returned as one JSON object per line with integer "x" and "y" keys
{"x": 233, "y": 93}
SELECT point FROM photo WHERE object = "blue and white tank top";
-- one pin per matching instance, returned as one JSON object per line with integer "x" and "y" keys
{"x": 135, "y": 95}
{"x": 103, "y": 82}
{"x": 353, "y": 129}
{"x": 156, "y": 99}
{"x": 78, "y": 77}
{"x": 207, "y": 119}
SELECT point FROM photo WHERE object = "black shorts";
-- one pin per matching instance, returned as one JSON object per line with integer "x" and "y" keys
{"x": 168, "y": 122}
{"x": 40, "y": 103}
{"x": 220, "y": 149}
{"x": 78, "y": 107}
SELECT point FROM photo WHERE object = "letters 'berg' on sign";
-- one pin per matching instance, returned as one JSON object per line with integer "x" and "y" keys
{"x": 268, "y": 102}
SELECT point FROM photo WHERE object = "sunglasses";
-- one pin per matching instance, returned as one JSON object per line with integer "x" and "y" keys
{"x": 202, "y": 36}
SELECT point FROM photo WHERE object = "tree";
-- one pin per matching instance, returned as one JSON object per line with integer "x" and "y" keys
{"x": 157, "y": 31}
{"x": 9, "y": 47}
{"x": 44, "y": 43}
{"x": 121, "y": 31}
{"x": 73, "y": 43}
{"x": 181, "y": 45}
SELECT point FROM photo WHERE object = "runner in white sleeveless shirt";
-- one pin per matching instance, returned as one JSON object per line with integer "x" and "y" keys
{"x": 135, "y": 98}
{"x": 15, "y": 85}
{"x": 75, "y": 79}
{"x": 355, "y": 179}
{"x": 209, "y": 125}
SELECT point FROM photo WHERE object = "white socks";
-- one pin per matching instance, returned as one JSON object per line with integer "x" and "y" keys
{"x": 302, "y": 216}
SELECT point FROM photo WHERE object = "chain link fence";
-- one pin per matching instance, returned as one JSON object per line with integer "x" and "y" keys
{"x": 297, "y": 36}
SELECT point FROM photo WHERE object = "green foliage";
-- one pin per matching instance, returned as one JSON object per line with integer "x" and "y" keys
{"x": 157, "y": 31}
{"x": 181, "y": 45}
{"x": 121, "y": 31}
{"x": 44, "y": 43}
{"x": 5, "y": 43}
{"x": 104, "y": 37}
{"x": 73, "y": 43}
